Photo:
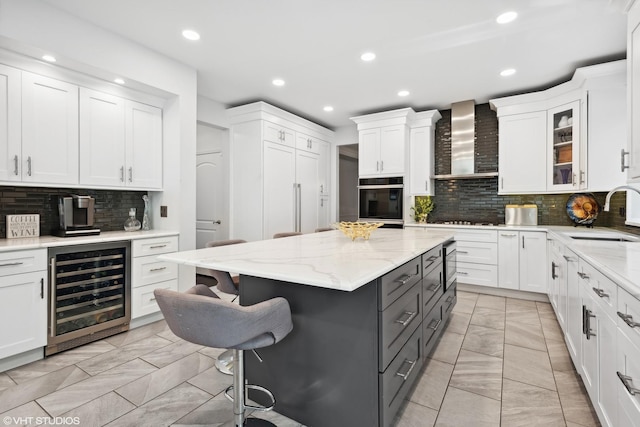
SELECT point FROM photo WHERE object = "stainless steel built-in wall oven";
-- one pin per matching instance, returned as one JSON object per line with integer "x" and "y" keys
{"x": 381, "y": 199}
{"x": 89, "y": 294}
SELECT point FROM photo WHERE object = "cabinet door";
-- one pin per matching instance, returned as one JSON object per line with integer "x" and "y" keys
{"x": 279, "y": 189}
{"x": 523, "y": 153}
{"x": 392, "y": 149}
{"x": 589, "y": 362}
{"x": 633, "y": 82}
{"x": 533, "y": 248}
{"x": 628, "y": 370}
{"x": 573, "y": 328}
{"x": 102, "y": 139}
{"x": 278, "y": 134}
{"x": 10, "y": 130}
{"x": 306, "y": 142}
{"x": 508, "y": 260}
{"x": 369, "y": 152}
{"x": 143, "y": 125}
{"x": 564, "y": 168}
{"x": 421, "y": 161}
{"x": 49, "y": 130}
{"x": 23, "y": 311}
{"x": 554, "y": 275}
{"x": 307, "y": 166}
{"x": 324, "y": 215}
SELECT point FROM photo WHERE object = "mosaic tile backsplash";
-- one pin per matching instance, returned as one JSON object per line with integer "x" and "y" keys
{"x": 112, "y": 207}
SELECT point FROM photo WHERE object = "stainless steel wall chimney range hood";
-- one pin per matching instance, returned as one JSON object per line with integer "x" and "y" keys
{"x": 463, "y": 143}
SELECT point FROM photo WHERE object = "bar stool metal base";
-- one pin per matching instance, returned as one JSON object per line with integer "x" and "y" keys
{"x": 258, "y": 422}
{"x": 224, "y": 362}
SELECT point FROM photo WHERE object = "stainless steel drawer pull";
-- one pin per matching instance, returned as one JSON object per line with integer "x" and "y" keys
{"x": 404, "y": 279}
{"x": 12, "y": 264}
{"x": 15, "y": 165}
{"x": 409, "y": 317}
{"x": 412, "y": 364}
{"x": 600, "y": 292}
{"x": 432, "y": 258}
{"x": 29, "y": 165}
{"x": 158, "y": 269}
{"x": 628, "y": 319}
{"x": 627, "y": 382}
{"x": 449, "y": 299}
{"x": 569, "y": 259}
{"x": 434, "y": 287}
{"x": 464, "y": 273}
{"x": 508, "y": 235}
{"x": 583, "y": 275}
{"x": 462, "y": 252}
{"x": 157, "y": 246}
{"x": 152, "y": 299}
{"x": 435, "y": 327}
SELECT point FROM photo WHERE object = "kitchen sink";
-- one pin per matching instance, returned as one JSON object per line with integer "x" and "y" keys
{"x": 603, "y": 236}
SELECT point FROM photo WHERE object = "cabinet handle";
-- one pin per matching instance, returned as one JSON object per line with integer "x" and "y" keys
{"x": 586, "y": 324}
{"x": 42, "y": 288}
{"x": 29, "y": 165}
{"x": 628, "y": 319}
{"x": 321, "y": 203}
{"x": 435, "y": 327}
{"x": 404, "y": 279}
{"x": 464, "y": 273}
{"x": 157, "y": 246}
{"x": 449, "y": 299}
{"x": 508, "y": 235}
{"x": 553, "y": 270}
{"x": 412, "y": 364}
{"x": 600, "y": 292}
{"x": 462, "y": 252}
{"x": 381, "y": 165}
{"x": 130, "y": 174}
{"x": 121, "y": 173}
{"x": 627, "y": 382}
{"x": 569, "y": 259}
{"x": 502, "y": 183}
{"x": 15, "y": 165}
{"x": 522, "y": 242}
{"x": 583, "y": 275}
{"x": 434, "y": 287}
{"x": 622, "y": 165}
{"x": 573, "y": 179}
{"x": 409, "y": 317}
{"x": 52, "y": 297}
{"x": 158, "y": 269}
{"x": 11, "y": 264}
{"x": 377, "y": 166}
{"x": 582, "y": 176}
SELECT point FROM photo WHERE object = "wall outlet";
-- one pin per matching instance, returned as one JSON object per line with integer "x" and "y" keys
{"x": 163, "y": 211}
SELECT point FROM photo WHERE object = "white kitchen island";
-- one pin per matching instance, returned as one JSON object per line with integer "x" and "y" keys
{"x": 365, "y": 315}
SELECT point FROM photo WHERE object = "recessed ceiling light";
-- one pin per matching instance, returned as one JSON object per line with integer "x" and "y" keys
{"x": 368, "y": 56}
{"x": 506, "y": 17}
{"x": 508, "y": 72}
{"x": 49, "y": 58}
{"x": 328, "y": 108}
{"x": 403, "y": 93}
{"x": 191, "y": 35}
{"x": 278, "y": 82}
{"x": 119, "y": 81}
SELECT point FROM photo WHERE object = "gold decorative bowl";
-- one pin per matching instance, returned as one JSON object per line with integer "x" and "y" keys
{"x": 358, "y": 229}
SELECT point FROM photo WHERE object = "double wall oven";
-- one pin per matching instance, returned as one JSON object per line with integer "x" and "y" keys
{"x": 380, "y": 200}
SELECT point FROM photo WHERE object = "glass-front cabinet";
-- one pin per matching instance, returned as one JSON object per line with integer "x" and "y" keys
{"x": 564, "y": 165}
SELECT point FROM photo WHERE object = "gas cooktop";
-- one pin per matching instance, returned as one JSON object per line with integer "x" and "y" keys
{"x": 463, "y": 222}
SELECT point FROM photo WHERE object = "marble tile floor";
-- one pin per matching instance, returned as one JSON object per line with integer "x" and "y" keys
{"x": 500, "y": 362}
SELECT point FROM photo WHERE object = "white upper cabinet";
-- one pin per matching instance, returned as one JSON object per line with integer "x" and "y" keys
{"x": 633, "y": 82}
{"x": 572, "y": 133}
{"x": 522, "y": 150}
{"x": 10, "y": 124}
{"x": 49, "y": 131}
{"x": 279, "y": 134}
{"x": 421, "y": 153}
{"x": 120, "y": 142}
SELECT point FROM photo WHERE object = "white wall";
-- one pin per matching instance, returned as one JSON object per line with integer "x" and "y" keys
{"x": 33, "y": 27}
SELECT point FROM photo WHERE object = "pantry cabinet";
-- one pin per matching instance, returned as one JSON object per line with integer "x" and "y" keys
{"x": 120, "y": 142}
{"x": 279, "y": 173}
{"x": 49, "y": 152}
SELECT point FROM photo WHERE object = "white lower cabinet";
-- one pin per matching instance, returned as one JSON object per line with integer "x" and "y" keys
{"x": 627, "y": 381}
{"x": 519, "y": 255}
{"x": 149, "y": 273}
{"x": 477, "y": 256}
{"x": 573, "y": 321}
{"x": 23, "y": 301}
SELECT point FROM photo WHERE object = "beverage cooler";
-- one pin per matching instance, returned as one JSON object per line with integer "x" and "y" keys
{"x": 89, "y": 294}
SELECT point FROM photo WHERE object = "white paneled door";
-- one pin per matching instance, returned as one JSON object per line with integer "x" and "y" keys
{"x": 212, "y": 222}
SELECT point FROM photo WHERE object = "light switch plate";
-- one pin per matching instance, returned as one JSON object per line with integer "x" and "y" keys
{"x": 163, "y": 211}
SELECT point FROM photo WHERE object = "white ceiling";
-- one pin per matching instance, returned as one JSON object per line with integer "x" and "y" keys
{"x": 442, "y": 51}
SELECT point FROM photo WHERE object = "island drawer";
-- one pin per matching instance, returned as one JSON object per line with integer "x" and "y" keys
{"x": 431, "y": 260}
{"x": 148, "y": 270}
{"x": 154, "y": 246}
{"x": 396, "y": 381}
{"x": 432, "y": 289}
{"x": 397, "y": 282}
{"x": 432, "y": 327}
{"x": 449, "y": 300}
{"x": 398, "y": 322}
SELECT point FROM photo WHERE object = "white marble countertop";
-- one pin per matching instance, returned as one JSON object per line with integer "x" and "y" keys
{"x": 328, "y": 259}
{"x": 619, "y": 261}
{"x": 7, "y": 245}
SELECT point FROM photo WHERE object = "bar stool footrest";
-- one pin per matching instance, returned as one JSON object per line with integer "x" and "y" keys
{"x": 228, "y": 394}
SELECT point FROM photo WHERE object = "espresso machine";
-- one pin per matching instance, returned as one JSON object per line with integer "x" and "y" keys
{"x": 76, "y": 216}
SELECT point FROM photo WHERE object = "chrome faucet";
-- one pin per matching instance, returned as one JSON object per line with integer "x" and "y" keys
{"x": 610, "y": 193}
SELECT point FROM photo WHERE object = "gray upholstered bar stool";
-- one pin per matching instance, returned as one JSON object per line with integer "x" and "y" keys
{"x": 226, "y": 284}
{"x": 201, "y": 317}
